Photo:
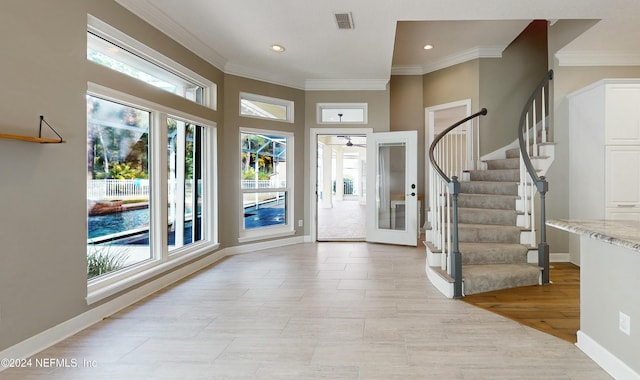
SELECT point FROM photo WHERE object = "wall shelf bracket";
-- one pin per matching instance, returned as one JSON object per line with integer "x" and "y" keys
{"x": 39, "y": 139}
{"x": 42, "y": 120}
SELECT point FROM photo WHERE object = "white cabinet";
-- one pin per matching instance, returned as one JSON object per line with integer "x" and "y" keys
{"x": 622, "y": 182}
{"x": 604, "y": 152}
{"x": 622, "y": 114}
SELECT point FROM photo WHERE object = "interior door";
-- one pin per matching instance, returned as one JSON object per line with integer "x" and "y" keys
{"x": 392, "y": 194}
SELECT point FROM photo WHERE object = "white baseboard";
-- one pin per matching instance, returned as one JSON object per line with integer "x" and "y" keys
{"x": 48, "y": 338}
{"x": 559, "y": 257}
{"x": 445, "y": 287}
{"x": 605, "y": 359}
{"x": 532, "y": 257}
{"x": 263, "y": 245}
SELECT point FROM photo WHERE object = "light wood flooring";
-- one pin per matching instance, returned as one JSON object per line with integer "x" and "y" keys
{"x": 309, "y": 311}
{"x": 554, "y": 309}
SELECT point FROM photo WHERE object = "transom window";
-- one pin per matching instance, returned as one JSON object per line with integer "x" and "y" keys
{"x": 109, "y": 47}
{"x": 342, "y": 113}
{"x": 266, "y": 107}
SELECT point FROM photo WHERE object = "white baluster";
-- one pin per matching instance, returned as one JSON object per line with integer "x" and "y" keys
{"x": 535, "y": 131}
{"x": 532, "y": 219}
{"x": 544, "y": 118}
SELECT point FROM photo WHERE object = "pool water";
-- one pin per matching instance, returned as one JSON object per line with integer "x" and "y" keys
{"x": 131, "y": 220}
{"x": 117, "y": 222}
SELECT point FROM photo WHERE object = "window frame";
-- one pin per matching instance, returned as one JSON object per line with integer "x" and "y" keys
{"x": 287, "y": 104}
{"x": 246, "y": 235}
{"x": 112, "y": 35}
{"x": 162, "y": 259}
{"x": 346, "y": 106}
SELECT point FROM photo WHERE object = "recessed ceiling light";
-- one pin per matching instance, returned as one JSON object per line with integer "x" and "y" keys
{"x": 277, "y": 48}
{"x": 428, "y": 47}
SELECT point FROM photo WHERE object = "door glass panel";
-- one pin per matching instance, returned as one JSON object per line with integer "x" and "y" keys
{"x": 391, "y": 179}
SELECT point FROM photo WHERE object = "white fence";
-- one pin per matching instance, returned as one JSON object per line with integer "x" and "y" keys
{"x": 117, "y": 188}
{"x": 139, "y": 188}
{"x": 262, "y": 184}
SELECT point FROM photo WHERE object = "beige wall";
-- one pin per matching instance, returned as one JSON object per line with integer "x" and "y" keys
{"x": 452, "y": 84}
{"x": 507, "y": 83}
{"x": 407, "y": 114}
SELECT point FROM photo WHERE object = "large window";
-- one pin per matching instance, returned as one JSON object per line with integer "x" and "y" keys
{"x": 266, "y": 183}
{"x": 122, "y": 194}
{"x": 151, "y": 169}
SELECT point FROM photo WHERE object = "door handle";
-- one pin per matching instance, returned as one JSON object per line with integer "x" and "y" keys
{"x": 412, "y": 194}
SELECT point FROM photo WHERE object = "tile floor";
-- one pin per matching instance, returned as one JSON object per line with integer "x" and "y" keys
{"x": 346, "y": 221}
{"x": 308, "y": 311}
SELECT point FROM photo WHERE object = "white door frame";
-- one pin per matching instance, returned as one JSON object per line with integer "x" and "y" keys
{"x": 429, "y": 117}
{"x": 313, "y": 169}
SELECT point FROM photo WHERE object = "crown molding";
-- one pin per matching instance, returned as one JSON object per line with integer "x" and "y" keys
{"x": 146, "y": 10}
{"x": 407, "y": 70}
{"x": 262, "y": 76}
{"x": 464, "y": 56}
{"x": 346, "y": 84}
{"x": 598, "y": 58}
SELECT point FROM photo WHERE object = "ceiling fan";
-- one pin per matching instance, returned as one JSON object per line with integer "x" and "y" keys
{"x": 351, "y": 143}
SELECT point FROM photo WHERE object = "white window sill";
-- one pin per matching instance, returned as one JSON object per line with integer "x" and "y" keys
{"x": 100, "y": 289}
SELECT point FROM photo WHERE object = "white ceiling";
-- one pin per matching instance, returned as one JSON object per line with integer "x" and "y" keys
{"x": 235, "y": 35}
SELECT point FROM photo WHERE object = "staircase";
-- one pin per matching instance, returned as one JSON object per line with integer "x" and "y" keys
{"x": 494, "y": 242}
{"x": 482, "y": 228}
{"x": 490, "y": 240}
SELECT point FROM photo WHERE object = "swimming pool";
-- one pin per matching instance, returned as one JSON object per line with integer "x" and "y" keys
{"x": 132, "y": 226}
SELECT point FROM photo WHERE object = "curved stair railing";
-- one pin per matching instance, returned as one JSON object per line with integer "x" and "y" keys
{"x": 532, "y": 135}
{"x": 447, "y": 165}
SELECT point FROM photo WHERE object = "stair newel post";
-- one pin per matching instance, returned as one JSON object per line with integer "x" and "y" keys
{"x": 456, "y": 257}
{"x": 543, "y": 248}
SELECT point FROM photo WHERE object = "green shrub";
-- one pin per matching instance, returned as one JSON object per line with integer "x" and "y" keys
{"x": 101, "y": 260}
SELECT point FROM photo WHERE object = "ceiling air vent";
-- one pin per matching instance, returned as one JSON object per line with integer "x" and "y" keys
{"x": 344, "y": 20}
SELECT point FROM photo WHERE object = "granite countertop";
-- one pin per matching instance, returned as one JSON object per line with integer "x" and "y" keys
{"x": 624, "y": 233}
